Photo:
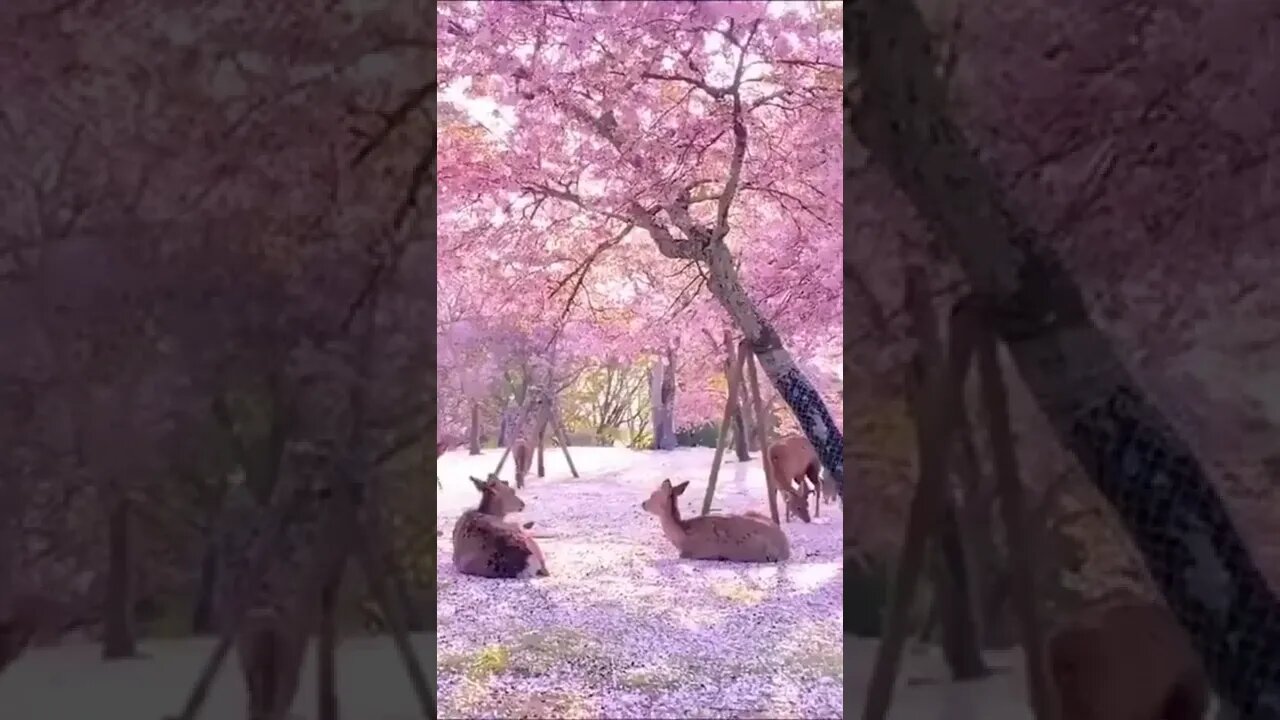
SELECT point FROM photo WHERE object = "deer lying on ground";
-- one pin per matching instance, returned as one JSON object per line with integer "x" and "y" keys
{"x": 749, "y": 537}
{"x": 487, "y": 545}
{"x": 522, "y": 454}
{"x": 1128, "y": 661}
{"x": 794, "y": 460}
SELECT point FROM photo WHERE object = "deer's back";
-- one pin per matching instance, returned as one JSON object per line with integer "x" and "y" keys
{"x": 488, "y": 547}
{"x": 1127, "y": 660}
{"x": 792, "y": 455}
{"x": 739, "y": 538}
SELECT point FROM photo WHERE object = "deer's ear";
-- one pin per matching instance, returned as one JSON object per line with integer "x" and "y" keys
{"x": 679, "y": 489}
{"x": 479, "y": 484}
{"x": 666, "y": 484}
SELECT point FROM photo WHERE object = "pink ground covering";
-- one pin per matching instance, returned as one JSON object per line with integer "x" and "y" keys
{"x": 623, "y": 628}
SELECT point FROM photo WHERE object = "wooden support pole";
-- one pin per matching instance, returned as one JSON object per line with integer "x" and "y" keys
{"x": 563, "y": 436}
{"x": 1009, "y": 485}
{"x": 936, "y": 423}
{"x": 749, "y": 360}
{"x": 734, "y": 381}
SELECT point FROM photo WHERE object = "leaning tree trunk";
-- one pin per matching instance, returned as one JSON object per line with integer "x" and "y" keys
{"x": 805, "y": 403}
{"x": 118, "y": 638}
{"x": 1128, "y": 448}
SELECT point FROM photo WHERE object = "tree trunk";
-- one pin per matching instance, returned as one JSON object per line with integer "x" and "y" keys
{"x": 1127, "y": 447}
{"x": 202, "y": 621}
{"x": 740, "y": 439}
{"x": 796, "y": 390}
{"x": 542, "y": 448}
{"x": 326, "y": 647}
{"x": 118, "y": 638}
{"x": 740, "y": 434}
{"x": 662, "y": 395}
{"x": 475, "y": 428}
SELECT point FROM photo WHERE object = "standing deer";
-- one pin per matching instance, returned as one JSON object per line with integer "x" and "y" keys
{"x": 794, "y": 460}
{"x": 486, "y": 545}
{"x": 1129, "y": 661}
{"x": 749, "y": 537}
{"x": 522, "y": 454}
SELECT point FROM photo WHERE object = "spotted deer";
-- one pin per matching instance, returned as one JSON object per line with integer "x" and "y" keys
{"x": 749, "y": 537}
{"x": 794, "y": 460}
{"x": 1127, "y": 661}
{"x": 522, "y": 454}
{"x": 485, "y": 544}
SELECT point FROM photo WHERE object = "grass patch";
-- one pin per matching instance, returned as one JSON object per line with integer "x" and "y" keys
{"x": 651, "y": 678}
{"x": 818, "y": 662}
{"x": 533, "y": 653}
{"x": 483, "y": 663}
{"x": 541, "y": 651}
{"x": 738, "y": 592}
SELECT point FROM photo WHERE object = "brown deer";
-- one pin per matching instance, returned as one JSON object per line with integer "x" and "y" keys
{"x": 794, "y": 460}
{"x": 486, "y": 545}
{"x": 271, "y": 649}
{"x": 522, "y": 454}
{"x": 749, "y": 537}
{"x": 1128, "y": 661}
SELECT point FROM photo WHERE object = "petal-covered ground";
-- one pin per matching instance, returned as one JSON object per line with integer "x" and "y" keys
{"x": 623, "y": 628}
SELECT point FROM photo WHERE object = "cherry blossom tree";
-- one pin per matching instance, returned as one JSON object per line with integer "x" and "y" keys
{"x": 625, "y": 134}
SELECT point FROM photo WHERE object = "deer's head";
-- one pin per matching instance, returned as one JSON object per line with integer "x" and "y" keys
{"x": 497, "y": 497}
{"x": 663, "y": 499}
{"x": 797, "y": 501}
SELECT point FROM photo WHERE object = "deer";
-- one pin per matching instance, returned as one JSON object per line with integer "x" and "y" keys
{"x": 1129, "y": 661}
{"x": 522, "y": 454}
{"x": 794, "y": 460}
{"x": 485, "y": 544}
{"x": 270, "y": 646}
{"x": 749, "y": 537}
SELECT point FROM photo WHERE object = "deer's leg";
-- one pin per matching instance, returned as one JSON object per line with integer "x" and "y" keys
{"x": 814, "y": 473}
{"x": 255, "y": 648}
{"x": 291, "y": 642}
